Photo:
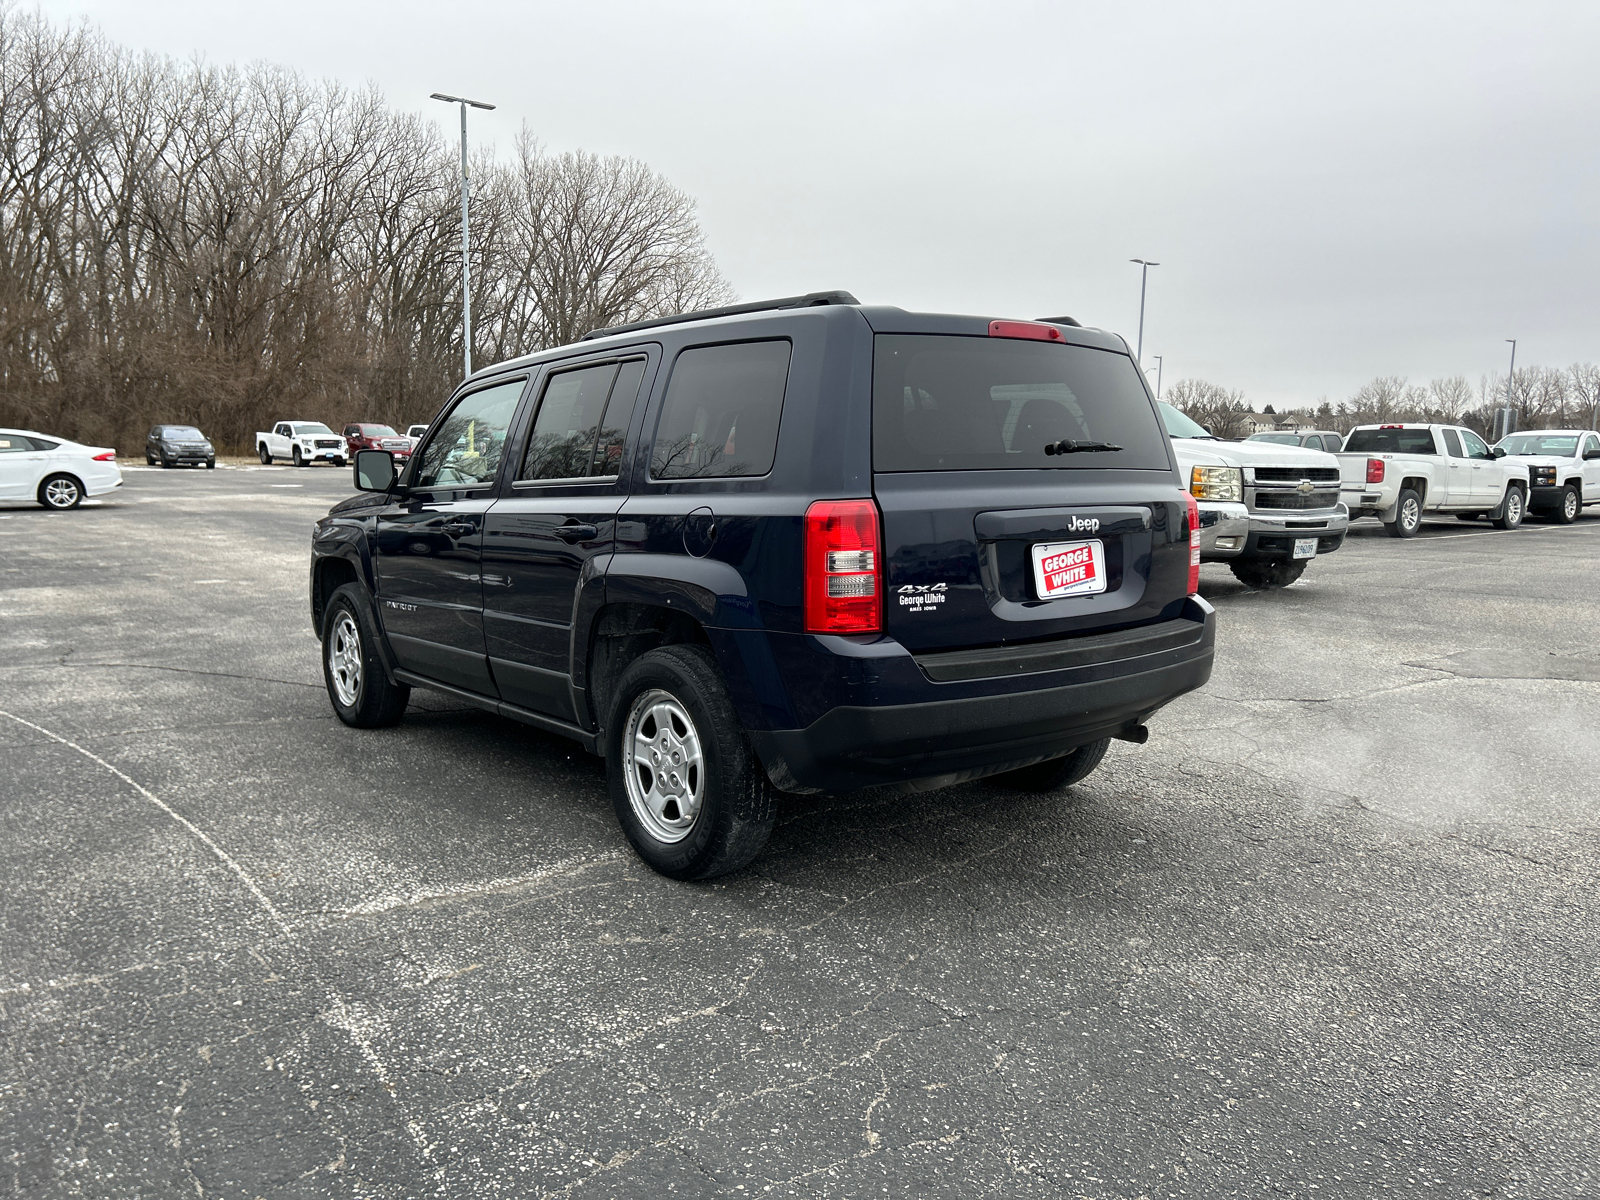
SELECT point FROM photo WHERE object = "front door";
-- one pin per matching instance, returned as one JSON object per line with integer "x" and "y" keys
{"x": 1457, "y": 472}
{"x": 429, "y": 542}
{"x": 539, "y": 542}
{"x": 1591, "y": 468}
{"x": 1488, "y": 478}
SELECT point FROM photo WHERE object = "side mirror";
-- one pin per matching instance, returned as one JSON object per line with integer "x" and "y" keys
{"x": 1591, "y": 453}
{"x": 1499, "y": 451}
{"x": 374, "y": 471}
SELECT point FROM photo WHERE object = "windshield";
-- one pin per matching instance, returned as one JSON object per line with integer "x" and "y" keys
{"x": 1561, "y": 446}
{"x": 1178, "y": 425}
{"x": 311, "y": 427}
{"x": 183, "y": 433}
{"x": 377, "y": 431}
{"x": 945, "y": 403}
{"x": 1393, "y": 440}
{"x": 1281, "y": 439}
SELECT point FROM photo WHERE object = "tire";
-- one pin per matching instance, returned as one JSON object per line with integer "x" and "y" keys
{"x": 338, "y": 462}
{"x": 261, "y": 451}
{"x": 1263, "y": 573}
{"x": 294, "y": 456}
{"x": 149, "y": 459}
{"x": 60, "y": 492}
{"x": 1056, "y": 773}
{"x": 674, "y": 699}
{"x": 1570, "y": 505}
{"x": 358, "y": 686}
{"x": 1407, "y": 515}
{"x": 211, "y": 464}
{"x": 1511, "y": 509}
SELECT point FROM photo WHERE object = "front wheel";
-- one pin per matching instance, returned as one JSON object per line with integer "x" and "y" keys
{"x": 358, "y": 685}
{"x": 1056, "y": 773}
{"x": 295, "y": 457}
{"x": 60, "y": 492}
{"x": 211, "y": 464}
{"x": 688, "y": 790}
{"x": 1263, "y": 573}
{"x": 338, "y": 462}
{"x": 1566, "y": 512}
{"x": 1407, "y": 515}
{"x": 1511, "y": 510}
{"x": 266, "y": 458}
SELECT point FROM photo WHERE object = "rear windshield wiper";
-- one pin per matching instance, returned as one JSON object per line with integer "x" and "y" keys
{"x": 1068, "y": 446}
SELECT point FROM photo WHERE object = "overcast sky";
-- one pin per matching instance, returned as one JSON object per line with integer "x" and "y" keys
{"x": 1334, "y": 191}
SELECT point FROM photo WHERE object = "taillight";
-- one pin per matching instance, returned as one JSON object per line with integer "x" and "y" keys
{"x": 843, "y": 574}
{"x": 1025, "y": 329}
{"x": 1194, "y": 544}
{"x": 1374, "y": 470}
{"x": 108, "y": 456}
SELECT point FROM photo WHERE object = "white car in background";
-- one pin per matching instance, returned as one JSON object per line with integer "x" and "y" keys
{"x": 415, "y": 433}
{"x": 53, "y": 471}
{"x": 1563, "y": 469}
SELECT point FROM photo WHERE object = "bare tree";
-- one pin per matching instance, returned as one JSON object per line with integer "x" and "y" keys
{"x": 1218, "y": 409}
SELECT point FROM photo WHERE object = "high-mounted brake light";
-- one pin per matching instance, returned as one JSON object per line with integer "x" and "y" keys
{"x": 1391, "y": 426}
{"x": 1025, "y": 329}
{"x": 1374, "y": 470}
{"x": 843, "y": 571}
{"x": 1194, "y": 544}
{"x": 108, "y": 456}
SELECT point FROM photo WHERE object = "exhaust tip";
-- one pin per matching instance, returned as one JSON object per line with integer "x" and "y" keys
{"x": 1137, "y": 734}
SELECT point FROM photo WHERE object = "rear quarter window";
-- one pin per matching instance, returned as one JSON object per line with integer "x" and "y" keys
{"x": 943, "y": 403}
{"x": 721, "y": 412}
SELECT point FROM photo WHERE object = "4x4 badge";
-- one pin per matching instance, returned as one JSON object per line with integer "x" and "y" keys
{"x": 919, "y": 597}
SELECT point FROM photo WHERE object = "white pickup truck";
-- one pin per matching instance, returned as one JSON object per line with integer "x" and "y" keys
{"x": 1399, "y": 473}
{"x": 1265, "y": 510}
{"x": 1563, "y": 469}
{"x": 302, "y": 443}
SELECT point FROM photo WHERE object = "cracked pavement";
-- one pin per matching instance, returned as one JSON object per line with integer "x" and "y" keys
{"x": 1331, "y": 932}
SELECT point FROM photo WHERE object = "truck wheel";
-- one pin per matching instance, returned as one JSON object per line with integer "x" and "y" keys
{"x": 1407, "y": 515}
{"x": 60, "y": 492}
{"x": 266, "y": 459}
{"x": 1511, "y": 509}
{"x": 687, "y": 788}
{"x": 294, "y": 456}
{"x": 357, "y": 683}
{"x": 211, "y": 464}
{"x": 1566, "y": 511}
{"x": 1263, "y": 573}
{"x": 1056, "y": 773}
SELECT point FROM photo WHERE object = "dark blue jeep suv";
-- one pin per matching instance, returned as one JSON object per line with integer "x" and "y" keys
{"x": 805, "y": 545}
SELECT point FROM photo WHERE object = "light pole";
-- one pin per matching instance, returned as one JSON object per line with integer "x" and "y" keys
{"x": 466, "y": 243}
{"x": 1144, "y": 271}
{"x": 1157, "y": 357}
{"x": 1510, "y": 379}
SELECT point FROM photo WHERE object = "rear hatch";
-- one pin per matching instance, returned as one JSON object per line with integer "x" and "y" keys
{"x": 991, "y": 533}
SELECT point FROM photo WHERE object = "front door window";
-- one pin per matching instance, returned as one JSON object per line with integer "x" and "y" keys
{"x": 466, "y": 448}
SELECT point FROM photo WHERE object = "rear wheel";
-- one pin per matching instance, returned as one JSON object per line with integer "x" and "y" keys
{"x": 688, "y": 790}
{"x": 1263, "y": 573}
{"x": 1056, "y": 773}
{"x": 358, "y": 686}
{"x": 60, "y": 492}
{"x": 1407, "y": 515}
{"x": 1511, "y": 509}
{"x": 266, "y": 458}
{"x": 1566, "y": 511}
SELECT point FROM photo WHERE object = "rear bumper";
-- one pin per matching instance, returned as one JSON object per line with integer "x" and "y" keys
{"x": 1229, "y": 531}
{"x": 1042, "y": 700}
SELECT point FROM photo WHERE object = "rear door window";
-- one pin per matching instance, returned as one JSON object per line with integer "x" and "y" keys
{"x": 582, "y": 421}
{"x": 721, "y": 412}
{"x": 943, "y": 403}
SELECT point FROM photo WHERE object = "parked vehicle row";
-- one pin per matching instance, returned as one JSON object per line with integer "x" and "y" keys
{"x": 1398, "y": 473}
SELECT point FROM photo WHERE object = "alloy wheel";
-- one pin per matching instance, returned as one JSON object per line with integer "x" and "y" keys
{"x": 344, "y": 660}
{"x": 1569, "y": 505}
{"x": 1411, "y": 514}
{"x": 61, "y": 493}
{"x": 664, "y": 765}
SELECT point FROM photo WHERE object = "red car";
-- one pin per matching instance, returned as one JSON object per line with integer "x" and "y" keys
{"x": 378, "y": 437}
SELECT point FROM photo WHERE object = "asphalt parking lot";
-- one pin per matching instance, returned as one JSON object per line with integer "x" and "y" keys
{"x": 1331, "y": 932}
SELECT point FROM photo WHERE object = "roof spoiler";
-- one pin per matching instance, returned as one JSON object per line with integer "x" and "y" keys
{"x": 809, "y": 300}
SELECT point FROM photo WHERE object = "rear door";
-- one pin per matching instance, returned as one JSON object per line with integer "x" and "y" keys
{"x": 1027, "y": 491}
{"x": 428, "y": 544}
{"x": 1457, "y": 470}
{"x": 560, "y": 515}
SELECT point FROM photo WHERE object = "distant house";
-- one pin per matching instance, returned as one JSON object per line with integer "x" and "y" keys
{"x": 1259, "y": 422}
{"x": 1289, "y": 423}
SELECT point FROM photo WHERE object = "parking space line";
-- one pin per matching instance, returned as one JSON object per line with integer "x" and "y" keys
{"x": 226, "y": 858}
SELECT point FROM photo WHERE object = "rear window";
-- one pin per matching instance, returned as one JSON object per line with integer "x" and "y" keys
{"x": 1390, "y": 441}
{"x": 942, "y": 403}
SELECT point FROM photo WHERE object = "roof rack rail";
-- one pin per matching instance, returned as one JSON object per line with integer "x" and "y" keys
{"x": 1060, "y": 321}
{"x": 809, "y": 300}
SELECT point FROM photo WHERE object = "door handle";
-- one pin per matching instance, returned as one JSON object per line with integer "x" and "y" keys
{"x": 577, "y": 533}
{"x": 459, "y": 528}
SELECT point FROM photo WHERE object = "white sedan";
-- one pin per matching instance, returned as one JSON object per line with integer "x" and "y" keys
{"x": 53, "y": 471}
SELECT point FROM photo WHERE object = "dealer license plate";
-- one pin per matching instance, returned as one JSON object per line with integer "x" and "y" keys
{"x": 1305, "y": 547}
{"x": 1069, "y": 568}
